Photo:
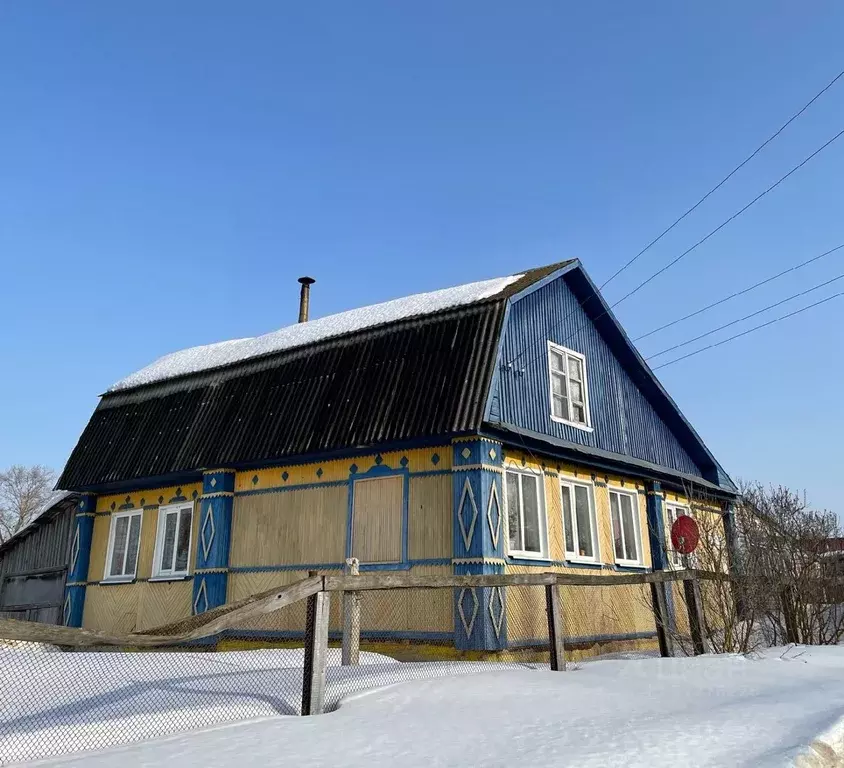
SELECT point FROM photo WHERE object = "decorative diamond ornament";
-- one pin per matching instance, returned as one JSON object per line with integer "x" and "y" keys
{"x": 206, "y": 534}
{"x": 493, "y": 515}
{"x": 468, "y": 624}
{"x": 467, "y": 509}
{"x": 496, "y": 609}
{"x": 200, "y": 603}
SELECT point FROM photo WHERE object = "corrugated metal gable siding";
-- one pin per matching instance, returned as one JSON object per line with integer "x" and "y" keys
{"x": 624, "y": 420}
{"x": 417, "y": 379}
{"x": 45, "y": 546}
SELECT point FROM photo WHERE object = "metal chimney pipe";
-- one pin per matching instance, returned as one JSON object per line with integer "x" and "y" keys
{"x": 304, "y": 297}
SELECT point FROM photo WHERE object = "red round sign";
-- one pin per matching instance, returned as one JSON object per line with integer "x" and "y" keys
{"x": 685, "y": 535}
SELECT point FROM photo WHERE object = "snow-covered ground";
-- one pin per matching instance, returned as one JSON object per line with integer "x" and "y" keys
{"x": 57, "y": 703}
{"x": 705, "y": 711}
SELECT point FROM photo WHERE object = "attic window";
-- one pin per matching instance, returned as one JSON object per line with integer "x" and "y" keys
{"x": 569, "y": 396}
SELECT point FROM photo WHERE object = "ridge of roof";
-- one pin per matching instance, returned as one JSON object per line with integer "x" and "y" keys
{"x": 221, "y": 354}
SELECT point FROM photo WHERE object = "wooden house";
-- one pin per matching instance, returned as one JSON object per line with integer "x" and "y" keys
{"x": 34, "y": 563}
{"x": 507, "y": 425}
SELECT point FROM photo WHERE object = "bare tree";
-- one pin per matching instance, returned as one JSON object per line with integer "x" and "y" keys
{"x": 23, "y": 491}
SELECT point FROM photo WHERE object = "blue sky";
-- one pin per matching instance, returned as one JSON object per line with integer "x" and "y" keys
{"x": 167, "y": 170}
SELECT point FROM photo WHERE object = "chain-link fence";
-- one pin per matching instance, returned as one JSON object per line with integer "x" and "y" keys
{"x": 67, "y": 690}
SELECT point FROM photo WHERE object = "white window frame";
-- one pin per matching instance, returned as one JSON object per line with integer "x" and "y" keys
{"x": 568, "y": 485}
{"x": 164, "y": 575}
{"x": 126, "y": 577}
{"x": 637, "y": 526}
{"x": 566, "y": 352}
{"x": 541, "y": 511}
{"x": 675, "y": 560}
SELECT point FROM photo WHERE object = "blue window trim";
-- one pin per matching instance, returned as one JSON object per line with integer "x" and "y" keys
{"x": 380, "y": 471}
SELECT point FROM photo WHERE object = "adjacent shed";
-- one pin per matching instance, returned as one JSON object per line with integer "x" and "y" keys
{"x": 33, "y": 563}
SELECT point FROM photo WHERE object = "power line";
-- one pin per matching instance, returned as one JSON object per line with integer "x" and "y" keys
{"x": 739, "y": 293}
{"x": 741, "y": 319}
{"x": 688, "y": 250}
{"x": 728, "y": 176}
{"x": 727, "y": 221}
{"x": 749, "y": 330}
{"x": 711, "y": 191}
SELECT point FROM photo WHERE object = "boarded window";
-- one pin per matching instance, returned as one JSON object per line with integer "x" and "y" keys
{"x": 377, "y": 520}
{"x": 35, "y": 589}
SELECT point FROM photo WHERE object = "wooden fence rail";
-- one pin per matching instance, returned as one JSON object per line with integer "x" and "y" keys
{"x": 316, "y": 590}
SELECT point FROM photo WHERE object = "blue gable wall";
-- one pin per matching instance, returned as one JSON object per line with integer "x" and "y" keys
{"x": 624, "y": 420}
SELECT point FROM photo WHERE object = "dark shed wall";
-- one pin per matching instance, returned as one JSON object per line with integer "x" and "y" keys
{"x": 46, "y": 546}
{"x": 624, "y": 421}
{"x": 33, "y": 569}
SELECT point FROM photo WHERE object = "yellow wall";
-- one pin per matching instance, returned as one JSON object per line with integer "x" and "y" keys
{"x": 601, "y": 487}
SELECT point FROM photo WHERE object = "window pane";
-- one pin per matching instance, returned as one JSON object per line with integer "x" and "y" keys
{"x": 578, "y": 414}
{"x": 575, "y": 369}
{"x": 616, "y": 527}
{"x": 566, "y": 493}
{"x": 557, "y": 362}
{"x": 183, "y": 542}
{"x": 530, "y": 499}
{"x": 561, "y": 407}
{"x": 584, "y": 521}
{"x": 514, "y": 524}
{"x": 132, "y": 546}
{"x": 121, "y": 527}
{"x": 169, "y": 541}
{"x": 558, "y": 384}
{"x": 576, "y": 392}
{"x": 628, "y": 527}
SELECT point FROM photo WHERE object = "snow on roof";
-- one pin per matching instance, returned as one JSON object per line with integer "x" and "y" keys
{"x": 223, "y": 353}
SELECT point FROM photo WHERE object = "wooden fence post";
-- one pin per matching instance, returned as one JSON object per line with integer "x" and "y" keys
{"x": 556, "y": 627}
{"x": 694, "y": 604}
{"x": 351, "y": 619}
{"x": 661, "y": 618}
{"x": 316, "y": 652}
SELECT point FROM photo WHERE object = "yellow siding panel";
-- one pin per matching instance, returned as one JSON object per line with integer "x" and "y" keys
{"x": 377, "y": 519}
{"x": 99, "y": 547}
{"x": 430, "y": 517}
{"x": 147, "y": 498}
{"x": 111, "y": 608}
{"x": 302, "y": 526}
{"x": 163, "y": 602}
{"x": 149, "y": 528}
{"x": 418, "y": 460}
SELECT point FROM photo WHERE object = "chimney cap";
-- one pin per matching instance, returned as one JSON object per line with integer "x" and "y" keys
{"x": 307, "y": 280}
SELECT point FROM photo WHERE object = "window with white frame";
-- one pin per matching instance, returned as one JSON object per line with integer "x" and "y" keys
{"x": 672, "y": 512}
{"x": 579, "y": 523}
{"x": 123, "y": 544}
{"x": 172, "y": 541}
{"x": 525, "y": 514}
{"x": 569, "y": 397}
{"x": 624, "y": 514}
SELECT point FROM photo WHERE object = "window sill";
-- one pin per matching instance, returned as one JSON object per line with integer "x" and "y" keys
{"x": 576, "y": 425}
{"x": 118, "y": 580}
{"x": 530, "y": 559}
{"x": 627, "y": 566}
{"x": 174, "y": 577}
{"x": 584, "y": 561}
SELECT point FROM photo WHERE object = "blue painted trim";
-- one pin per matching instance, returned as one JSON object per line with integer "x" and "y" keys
{"x": 140, "y": 580}
{"x": 514, "y": 437}
{"x": 299, "y": 487}
{"x": 286, "y": 567}
{"x": 632, "y": 568}
{"x": 338, "y": 566}
{"x": 195, "y": 476}
{"x": 656, "y": 524}
{"x": 379, "y": 471}
{"x": 371, "y": 635}
{"x": 585, "y": 639}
